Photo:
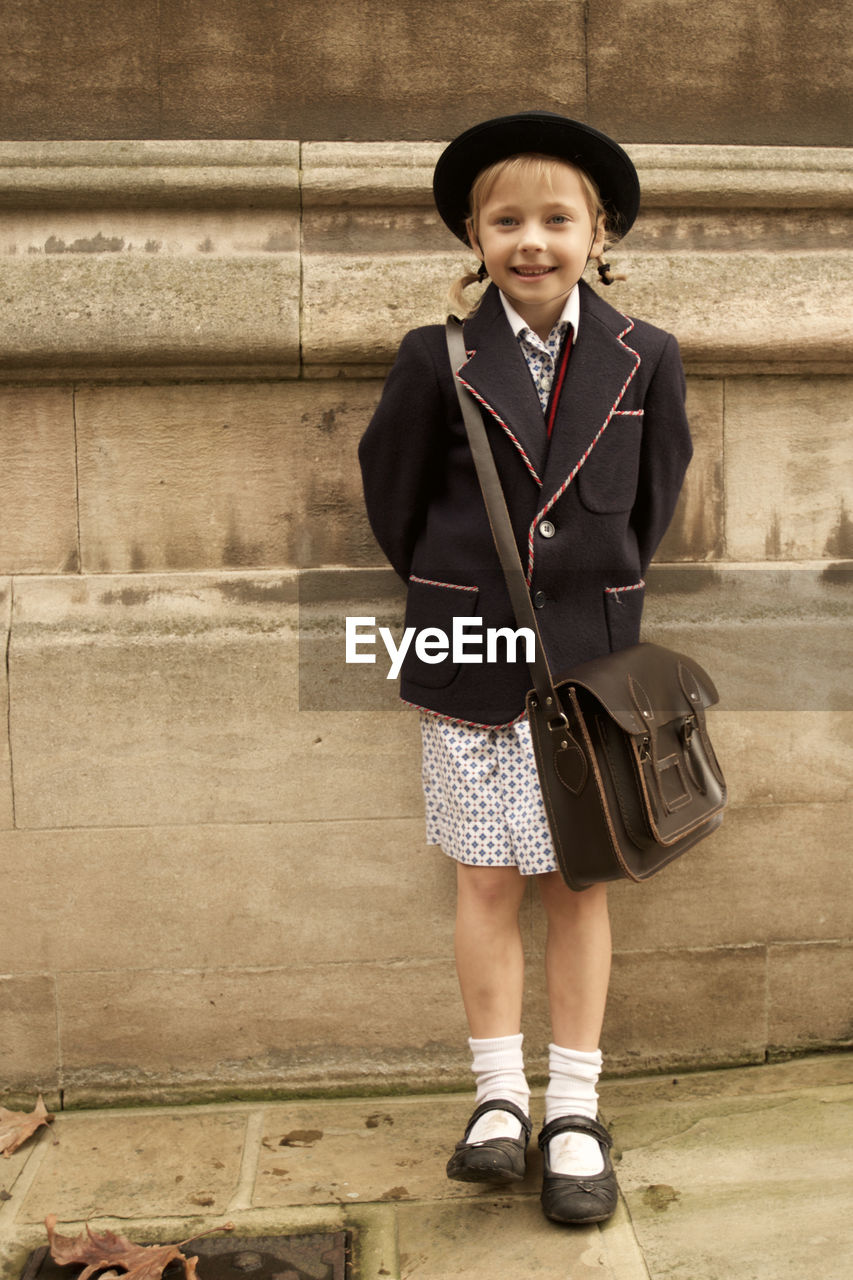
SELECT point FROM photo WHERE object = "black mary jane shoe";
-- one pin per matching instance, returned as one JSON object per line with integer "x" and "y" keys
{"x": 583, "y": 1198}
{"x": 496, "y": 1159}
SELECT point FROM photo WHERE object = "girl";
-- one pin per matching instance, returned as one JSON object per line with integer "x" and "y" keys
{"x": 585, "y": 412}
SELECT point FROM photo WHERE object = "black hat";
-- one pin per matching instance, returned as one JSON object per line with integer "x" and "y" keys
{"x": 543, "y": 133}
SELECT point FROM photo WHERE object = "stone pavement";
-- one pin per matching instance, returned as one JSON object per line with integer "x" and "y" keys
{"x": 743, "y": 1174}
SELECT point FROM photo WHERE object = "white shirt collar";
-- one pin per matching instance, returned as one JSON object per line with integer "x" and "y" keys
{"x": 571, "y": 312}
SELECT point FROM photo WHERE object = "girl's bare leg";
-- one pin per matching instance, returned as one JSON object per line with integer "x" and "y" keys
{"x": 577, "y": 960}
{"x": 490, "y": 965}
{"x": 577, "y": 967}
{"x": 489, "y": 951}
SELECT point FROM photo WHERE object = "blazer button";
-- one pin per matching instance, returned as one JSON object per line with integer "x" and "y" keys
{"x": 547, "y": 529}
{"x": 539, "y": 600}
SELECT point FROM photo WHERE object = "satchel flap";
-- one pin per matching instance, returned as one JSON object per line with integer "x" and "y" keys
{"x": 644, "y": 685}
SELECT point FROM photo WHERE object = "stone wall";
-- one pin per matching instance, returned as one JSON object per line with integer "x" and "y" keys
{"x": 772, "y": 72}
{"x": 214, "y": 878}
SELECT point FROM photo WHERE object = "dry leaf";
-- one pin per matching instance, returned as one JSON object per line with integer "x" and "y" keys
{"x": 100, "y": 1250}
{"x": 17, "y": 1126}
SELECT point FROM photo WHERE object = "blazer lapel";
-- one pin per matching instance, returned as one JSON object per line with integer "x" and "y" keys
{"x": 498, "y": 376}
{"x": 601, "y": 366}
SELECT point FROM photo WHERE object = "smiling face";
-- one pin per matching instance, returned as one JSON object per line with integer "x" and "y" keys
{"x": 535, "y": 231}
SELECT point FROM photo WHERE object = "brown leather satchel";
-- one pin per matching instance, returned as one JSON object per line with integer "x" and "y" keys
{"x": 628, "y": 773}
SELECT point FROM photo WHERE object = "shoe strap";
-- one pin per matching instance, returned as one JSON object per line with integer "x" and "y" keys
{"x": 502, "y": 1104}
{"x": 574, "y": 1124}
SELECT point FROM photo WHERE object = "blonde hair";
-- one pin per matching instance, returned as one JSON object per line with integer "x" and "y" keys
{"x": 533, "y": 168}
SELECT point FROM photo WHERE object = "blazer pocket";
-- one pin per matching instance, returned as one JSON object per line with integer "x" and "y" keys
{"x": 432, "y": 605}
{"x": 607, "y": 481}
{"x": 623, "y": 608}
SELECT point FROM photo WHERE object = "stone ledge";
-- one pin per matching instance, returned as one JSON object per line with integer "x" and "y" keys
{"x": 195, "y": 259}
{"x": 48, "y": 174}
{"x": 81, "y": 175}
{"x": 364, "y": 173}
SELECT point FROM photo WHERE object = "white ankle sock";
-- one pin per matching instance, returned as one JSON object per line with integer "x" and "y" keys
{"x": 571, "y": 1090}
{"x": 498, "y": 1065}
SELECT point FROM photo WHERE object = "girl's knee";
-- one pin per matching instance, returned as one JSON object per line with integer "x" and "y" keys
{"x": 559, "y": 899}
{"x": 490, "y": 887}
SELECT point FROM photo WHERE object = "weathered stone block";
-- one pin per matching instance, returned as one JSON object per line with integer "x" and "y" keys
{"x": 751, "y": 879}
{"x": 38, "y": 517}
{"x": 327, "y": 71}
{"x": 789, "y": 468}
{"x": 725, "y": 73}
{"x": 158, "y": 700}
{"x": 76, "y": 74}
{"x": 682, "y": 1009}
{"x": 265, "y": 894}
{"x": 241, "y": 475}
{"x": 29, "y": 1049}
{"x": 124, "y": 305}
{"x": 294, "y": 1028}
{"x": 355, "y": 311}
{"x": 772, "y": 637}
{"x": 680, "y": 289}
{"x": 810, "y": 991}
{"x": 327, "y": 599}
{"x": 6, "y": 806}
{"x": 697, "y": 531}
{"x": 785, "y": 757}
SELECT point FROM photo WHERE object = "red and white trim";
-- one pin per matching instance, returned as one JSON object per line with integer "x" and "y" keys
{"x": 500, "y": 421}
{"x": 450, "y": 586}
{"x": 466, "y": 724}
{"x": 617, "y": 591}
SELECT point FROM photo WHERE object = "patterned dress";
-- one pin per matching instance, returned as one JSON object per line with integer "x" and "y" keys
{"x": 483, "y": 800}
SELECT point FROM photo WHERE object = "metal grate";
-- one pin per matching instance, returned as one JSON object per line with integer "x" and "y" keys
{"x": 318, "y": 1256}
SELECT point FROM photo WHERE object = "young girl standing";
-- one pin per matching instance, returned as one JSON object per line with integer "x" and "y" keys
{"x": 585, "y": 413}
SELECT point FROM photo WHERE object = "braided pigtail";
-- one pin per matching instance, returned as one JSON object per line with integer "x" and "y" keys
{"x": 604, "y": 273}
{"x": 459, "y": 301}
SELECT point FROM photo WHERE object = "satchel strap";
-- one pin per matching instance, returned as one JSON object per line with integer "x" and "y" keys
{"x": 501, "y": 526}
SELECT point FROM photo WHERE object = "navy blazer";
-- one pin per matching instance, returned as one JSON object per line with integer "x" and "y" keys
{"x": 588, "y": 508}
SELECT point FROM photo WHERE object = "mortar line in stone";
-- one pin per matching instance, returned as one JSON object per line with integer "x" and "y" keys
{"x": 725, "y": 512}
{"x": 767, "y": 950}
{"x": 159, "y": 68}
{"x": 621, "y": 1245}
{"x": 301, "y": 216}
{"x": 76, "y": 478}
{"x": 254, "y": 1133}
{"x": 8, "y": 662}
{"x": 60, "y": 1064}
{"x": 25, "y": 1179}
{"x": 586, "y": 59}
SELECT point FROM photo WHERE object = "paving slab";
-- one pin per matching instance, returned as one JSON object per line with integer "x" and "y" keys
{"x": 363, "y": 1150}
{"x": 126, "y": 1165}
{"x": 502, "y": 1237}
{"x": 740, "y": 1174}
